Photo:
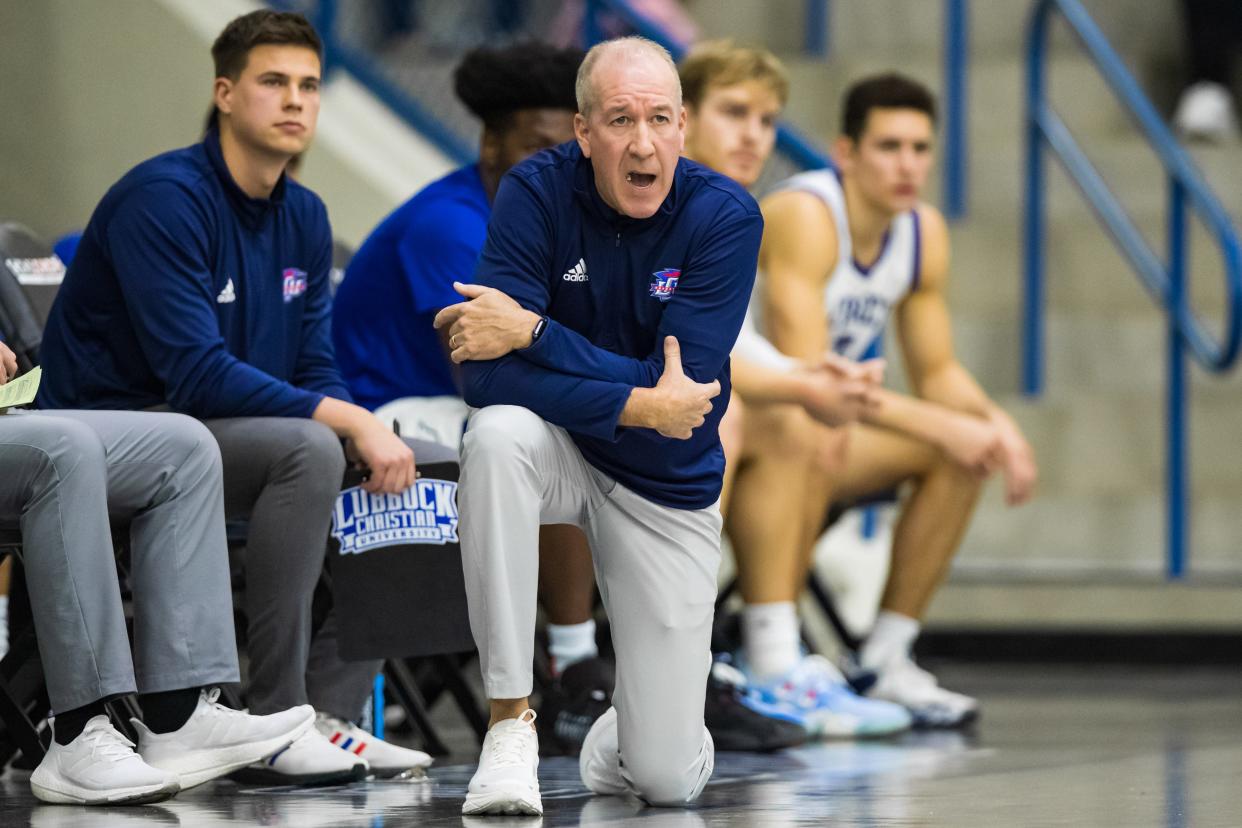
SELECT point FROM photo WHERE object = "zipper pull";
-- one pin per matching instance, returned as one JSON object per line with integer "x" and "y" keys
{"x": 618, "y": 238}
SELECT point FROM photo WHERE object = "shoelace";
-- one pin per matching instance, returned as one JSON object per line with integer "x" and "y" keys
{"x": 216, "y": 710}
{"x": 509, "y": 743}
{"x": 105, "y": 741}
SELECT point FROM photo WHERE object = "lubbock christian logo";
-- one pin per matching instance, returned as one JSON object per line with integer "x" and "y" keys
{"x": 294, "y": 283}
{"x": 424, "y": 513}
{"x": 664, "y": 282}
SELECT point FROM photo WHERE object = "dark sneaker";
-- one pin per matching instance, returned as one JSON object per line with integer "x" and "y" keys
{"x": 578, "y": 697}
{"x": 739, "y": 722}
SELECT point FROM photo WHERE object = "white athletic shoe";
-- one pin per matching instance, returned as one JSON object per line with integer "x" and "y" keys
{"x": 99, "y": 767}
{"x": 386, "y": 760}
{"x": 310, "y": 761}
{"x": 1205, "y": 112}
{"x": 218, "y": 740}
{"x": 507, "y": 781}
{"x": 906, "y": 683}
{"x": 599, "y": 763}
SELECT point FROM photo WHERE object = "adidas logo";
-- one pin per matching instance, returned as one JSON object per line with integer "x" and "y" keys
{"x": 577, "y": 273}
{"x": 227, "y": 295}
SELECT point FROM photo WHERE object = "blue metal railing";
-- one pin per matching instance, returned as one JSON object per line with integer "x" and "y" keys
{"x": 956, "y": 54}
{"x": 1166, "y": 281}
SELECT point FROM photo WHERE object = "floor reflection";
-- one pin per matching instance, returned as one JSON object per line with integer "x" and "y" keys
{"x": 1066, "y": 748}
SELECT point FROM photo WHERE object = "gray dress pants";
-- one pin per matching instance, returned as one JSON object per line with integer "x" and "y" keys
{"x": 283, "y": 475}
{"x": 62, "y": 474}
{"x": 656, "y": 568}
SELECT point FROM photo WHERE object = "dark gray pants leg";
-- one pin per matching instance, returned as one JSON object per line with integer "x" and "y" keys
{"x": 283, "y": 475}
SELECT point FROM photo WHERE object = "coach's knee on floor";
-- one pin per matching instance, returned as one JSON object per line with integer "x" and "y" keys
{"x": 667, "y": 784}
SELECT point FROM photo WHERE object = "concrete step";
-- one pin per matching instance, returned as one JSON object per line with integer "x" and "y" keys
{"x": 1061, "y": 532}
{"x": 1075, "y": 603}
{"x": 1085, "y": 352}
{"x": 1084, "y": 270}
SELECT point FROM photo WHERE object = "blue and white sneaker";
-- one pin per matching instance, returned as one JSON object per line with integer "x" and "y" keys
{"x": 904, "y": 682}
{"x": 818, "y": 696}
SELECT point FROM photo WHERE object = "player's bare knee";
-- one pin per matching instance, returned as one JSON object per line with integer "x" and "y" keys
{"x": 963, "y": 478}
{"x": 781, "y": 432}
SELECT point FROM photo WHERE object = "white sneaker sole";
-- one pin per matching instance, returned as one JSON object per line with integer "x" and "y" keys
{"x": 205, "y": 765}
{"x": 512, "y": 800}
{"x": 596, "y": 782}
{"x": 66, "y": 793}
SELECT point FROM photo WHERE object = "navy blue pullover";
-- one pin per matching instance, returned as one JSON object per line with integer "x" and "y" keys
{"x": 187, "y": 292}
{"x": 613, "y": 288}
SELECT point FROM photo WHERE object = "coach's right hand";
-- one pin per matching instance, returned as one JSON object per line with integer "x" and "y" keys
{"x": 677, "y": 405}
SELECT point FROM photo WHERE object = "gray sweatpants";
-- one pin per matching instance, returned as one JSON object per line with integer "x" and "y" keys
{"x": 283, "y": 476}
{"x": 656, "y": 568}
{"x": 64, "y": 473}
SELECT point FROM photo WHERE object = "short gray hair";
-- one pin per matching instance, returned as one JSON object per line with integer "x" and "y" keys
{"x": 633, "y": 44}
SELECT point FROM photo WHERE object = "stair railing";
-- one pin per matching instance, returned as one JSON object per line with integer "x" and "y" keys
{"x": 1166, "y": 281}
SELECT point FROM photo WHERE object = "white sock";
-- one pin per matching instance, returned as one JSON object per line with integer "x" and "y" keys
{"x": 770, "y": 639}
{"x": 892, "y": 637}
{"x": 4, "y": 625}
{"x": 570, "y": 643}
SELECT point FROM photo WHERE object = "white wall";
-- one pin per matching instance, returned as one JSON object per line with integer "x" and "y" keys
{"x": 91, "y": 88}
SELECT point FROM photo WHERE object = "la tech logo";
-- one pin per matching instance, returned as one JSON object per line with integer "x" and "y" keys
{"x": 664, "y": 283}
{"x": 293, "y": 283}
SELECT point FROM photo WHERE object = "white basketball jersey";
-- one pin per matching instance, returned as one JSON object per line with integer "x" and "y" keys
{"x": 859, "y": 298}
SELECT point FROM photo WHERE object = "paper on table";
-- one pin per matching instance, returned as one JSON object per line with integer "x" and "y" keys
{"x": 21, "y": 390}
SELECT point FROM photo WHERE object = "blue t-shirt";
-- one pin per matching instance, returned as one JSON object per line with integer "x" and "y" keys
{"x": 397, "y": 281}
{"x": 613, "y": 287}
{"x": 185, "y": 291}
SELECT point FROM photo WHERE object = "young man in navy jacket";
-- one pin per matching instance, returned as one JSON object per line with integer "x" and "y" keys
{"x": 201, "y": 284}
{"x": 596, "y": 342}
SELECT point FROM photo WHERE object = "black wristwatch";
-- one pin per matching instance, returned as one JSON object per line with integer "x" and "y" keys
{"x": 540, "y": 327}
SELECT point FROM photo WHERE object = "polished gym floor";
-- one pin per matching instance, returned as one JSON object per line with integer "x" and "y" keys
{"x": 1057, "y": 746}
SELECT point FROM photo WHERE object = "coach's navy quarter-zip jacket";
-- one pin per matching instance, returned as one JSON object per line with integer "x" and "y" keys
{"x": 613, "y": 287}
{"x": 187, "y": 292}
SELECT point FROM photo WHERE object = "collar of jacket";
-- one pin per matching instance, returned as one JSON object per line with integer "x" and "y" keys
{"x": 254, "y": 212}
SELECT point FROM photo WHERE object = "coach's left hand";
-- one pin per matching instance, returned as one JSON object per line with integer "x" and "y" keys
{"x": 486, "y": 326}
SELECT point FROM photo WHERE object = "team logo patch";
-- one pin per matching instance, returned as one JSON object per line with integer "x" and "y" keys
{"x": 294, "y": 283}
{"x": 424, "y": 513}
{"x": 664, "y": 282}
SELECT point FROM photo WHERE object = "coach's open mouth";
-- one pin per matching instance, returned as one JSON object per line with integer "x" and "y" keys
{"x": 640, "y": 180}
